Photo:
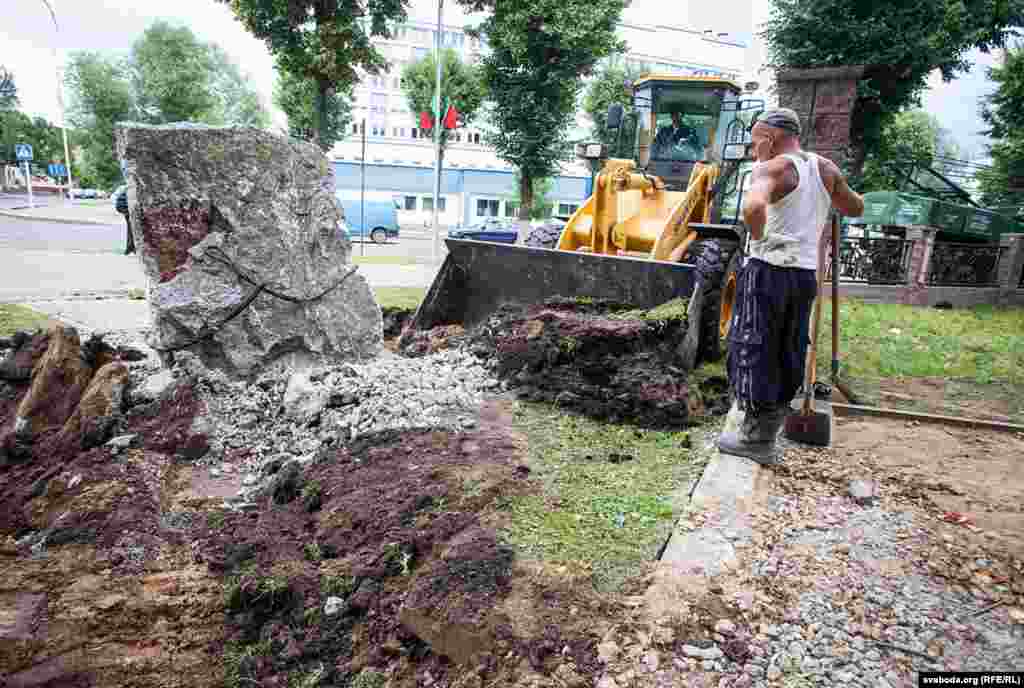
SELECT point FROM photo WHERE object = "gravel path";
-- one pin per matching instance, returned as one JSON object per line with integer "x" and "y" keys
{"x": 835, "y": 587}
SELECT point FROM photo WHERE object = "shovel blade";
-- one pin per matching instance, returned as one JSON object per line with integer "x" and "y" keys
{"x": 813, "y": 428}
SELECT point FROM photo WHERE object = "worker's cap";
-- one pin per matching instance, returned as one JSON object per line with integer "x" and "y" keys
{"x": 781, "y": 118}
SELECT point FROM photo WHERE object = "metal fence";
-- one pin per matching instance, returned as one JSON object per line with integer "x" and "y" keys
{"x": 972, "y": 265}
{"x": 873, "y": 261}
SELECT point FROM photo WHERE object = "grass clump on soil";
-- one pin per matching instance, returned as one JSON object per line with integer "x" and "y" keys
{"x": 399, "y": 297}
{"x": 337, "y": 586}
{"x": 14, "y": 318}
{"x": 608, "y": 502}
{"x": 240, "y": 662}
{"x": 982, "y": 348}
{"x": 674, "y": 310}
{"x": 368, "y": 678}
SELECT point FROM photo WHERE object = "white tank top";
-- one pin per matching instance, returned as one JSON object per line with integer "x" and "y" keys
{"x": 794, "y": 224}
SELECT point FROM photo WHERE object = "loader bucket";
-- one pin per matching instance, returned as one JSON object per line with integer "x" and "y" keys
{"x": 477, "y": 277}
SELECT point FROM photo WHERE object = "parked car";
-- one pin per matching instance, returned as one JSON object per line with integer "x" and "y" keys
{"x": 490, "y": 229}
{"x": 117, "y": 192}
{"x": 505, "y": 231}
{"x": 379, "y": 221}
{"x": 83, "y": 193}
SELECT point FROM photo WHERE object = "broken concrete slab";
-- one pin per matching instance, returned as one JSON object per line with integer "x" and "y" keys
{"x": 237, "y": 230}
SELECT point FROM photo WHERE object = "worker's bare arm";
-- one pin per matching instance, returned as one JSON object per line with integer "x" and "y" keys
{"x": 767, "y": 181}
{"x": 844, "y": 199}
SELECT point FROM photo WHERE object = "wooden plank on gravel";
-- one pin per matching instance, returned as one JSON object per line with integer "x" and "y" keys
{"x": 854, "y": 410}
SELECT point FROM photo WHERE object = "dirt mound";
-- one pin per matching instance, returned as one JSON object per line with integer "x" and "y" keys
{"x": 599, "y": 359}
{"x": 384, "y": 560}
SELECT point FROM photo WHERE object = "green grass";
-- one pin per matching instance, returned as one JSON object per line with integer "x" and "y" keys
{"x": 14, "y": 317}
{"x": 383, "y": 260}
{"x": 399, "y": 297}
{"x": 609, "y": 516}
{"x": 982, "y": 345}
{"x": 974, "y": 357}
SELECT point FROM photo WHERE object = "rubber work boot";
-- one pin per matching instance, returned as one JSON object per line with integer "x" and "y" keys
{"x": 755, "y": 436}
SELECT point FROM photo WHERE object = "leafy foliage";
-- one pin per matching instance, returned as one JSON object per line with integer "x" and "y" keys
{"x": 913, "y": 136}
{"x": 900, "y": 43}
{"x": 1003, "y": 111}
{"x": 323, "y": 41}
{"x": 539, "y": 53}
{"x": 101, "y": 95}
{"x": 461, "y": 86}
{"x": 169, "y": 76}
{"x": 610, "y": 85}
{"x": 296, "y": 96}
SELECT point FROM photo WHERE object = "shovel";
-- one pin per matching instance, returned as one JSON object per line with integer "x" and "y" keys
{"x": 809, "y": 426}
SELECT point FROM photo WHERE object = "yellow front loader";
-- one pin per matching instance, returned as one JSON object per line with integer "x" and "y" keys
{"x": 662, "y": 222}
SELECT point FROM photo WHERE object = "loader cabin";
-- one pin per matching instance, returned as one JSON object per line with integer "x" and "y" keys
{"x": 683, "y": 120}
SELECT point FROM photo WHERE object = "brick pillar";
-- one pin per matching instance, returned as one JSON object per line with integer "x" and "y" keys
{"x": 1011, "y": 265}
{"x": 823, "y": 98}
{"x": 920, "y": 255}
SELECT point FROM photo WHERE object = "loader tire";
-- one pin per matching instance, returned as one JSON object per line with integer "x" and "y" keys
{"x": 545, "y": 236}
{"x": 717, "y": 261}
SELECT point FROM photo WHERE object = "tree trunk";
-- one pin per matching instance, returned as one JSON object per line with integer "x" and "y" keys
{"x": 525, "y": 204}
{"x": 858, "y": 154}
{"x": 320, "y": 137}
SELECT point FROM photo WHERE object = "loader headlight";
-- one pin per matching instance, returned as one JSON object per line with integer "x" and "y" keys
{"x": 590, "y": 151}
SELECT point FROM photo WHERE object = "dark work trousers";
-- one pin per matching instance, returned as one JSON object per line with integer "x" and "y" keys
{"x": 130, "y": 245}
{"x": 768, "y": 337}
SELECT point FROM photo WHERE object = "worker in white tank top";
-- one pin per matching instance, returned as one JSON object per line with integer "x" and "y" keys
{"x": 785, "y": 212}
{"x": 793, "y": 225}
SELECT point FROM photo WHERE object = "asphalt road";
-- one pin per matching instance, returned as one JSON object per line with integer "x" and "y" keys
{"x": 50, "y": 260}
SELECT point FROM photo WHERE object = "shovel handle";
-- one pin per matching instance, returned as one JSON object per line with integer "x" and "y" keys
{"x": 812, "y": 351}
{"x": 835, "y": 297}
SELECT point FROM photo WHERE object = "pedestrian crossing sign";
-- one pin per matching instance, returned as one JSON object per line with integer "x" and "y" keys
{"x": 23, "y": 151}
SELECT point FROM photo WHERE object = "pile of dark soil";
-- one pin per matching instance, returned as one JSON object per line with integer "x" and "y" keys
{"x": 600, "y": 359}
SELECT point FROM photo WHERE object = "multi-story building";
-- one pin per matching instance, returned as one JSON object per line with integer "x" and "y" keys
{"x": 394, "y": 139}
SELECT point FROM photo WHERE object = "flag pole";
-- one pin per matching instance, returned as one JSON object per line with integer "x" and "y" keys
{"x": 437, "y": 133}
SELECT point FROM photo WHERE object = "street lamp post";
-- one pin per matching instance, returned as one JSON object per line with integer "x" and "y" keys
{"x": 437, "y": 133}
{"x": 60, "y": 97}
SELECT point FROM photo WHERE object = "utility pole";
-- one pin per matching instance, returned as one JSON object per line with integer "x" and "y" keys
{"x": 362, "y": 196}
{"x": 60, "y": 96}
{"x": 437, "y": 132}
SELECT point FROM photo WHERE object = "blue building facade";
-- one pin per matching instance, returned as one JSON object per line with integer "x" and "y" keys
{"x": 467, "y": 195}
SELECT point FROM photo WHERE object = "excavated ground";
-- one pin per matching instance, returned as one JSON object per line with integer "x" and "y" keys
{"x": 599, "y": 359}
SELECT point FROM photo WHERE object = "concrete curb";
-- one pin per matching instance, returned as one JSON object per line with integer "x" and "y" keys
{"x": 728, "y": 490}
{"x": 61, "y": 220}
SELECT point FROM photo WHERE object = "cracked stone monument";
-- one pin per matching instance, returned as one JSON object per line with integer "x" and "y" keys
{"x": 237, "y": 231}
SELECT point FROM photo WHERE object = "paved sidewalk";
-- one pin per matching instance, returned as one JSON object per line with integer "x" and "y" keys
{"x": 86, "y": 212}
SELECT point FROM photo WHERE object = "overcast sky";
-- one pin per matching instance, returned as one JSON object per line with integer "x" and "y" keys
{"x": 27, "y": 41}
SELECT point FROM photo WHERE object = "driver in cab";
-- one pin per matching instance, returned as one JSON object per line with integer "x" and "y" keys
{"x": 670, "y": 136}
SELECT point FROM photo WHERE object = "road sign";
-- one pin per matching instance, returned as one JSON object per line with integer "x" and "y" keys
{"x": 23, "y": 151}
{"x": 56, "y": 169}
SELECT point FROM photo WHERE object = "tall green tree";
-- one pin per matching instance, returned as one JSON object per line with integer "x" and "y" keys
{"x": 100, "y": 91}
{"x": 172, "y": 74}
{"x": 540, "y": 206}
{"x": 325, "y": 41}
{"x": 169, "y": 76}
{"x": 1003, "y": 184}
{"x": 900, "y": 43}
{"x": 611, "y": 84}
{"x": 236, "y": 102}
{"x": 297, "y": 97}
{"x": 908, "y": 138}
{"x": 461, "y": 86}
{"x": 539, "y": 53}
